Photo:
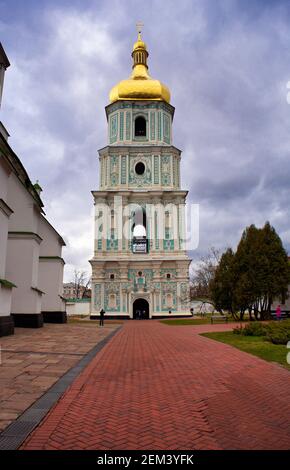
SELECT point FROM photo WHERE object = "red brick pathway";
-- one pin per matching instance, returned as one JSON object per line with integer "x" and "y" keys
{"x": 163, "y": 387}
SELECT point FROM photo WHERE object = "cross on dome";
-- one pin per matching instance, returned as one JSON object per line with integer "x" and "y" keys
{"x": 139, "y": 26}
{"x": 140, "y": 86}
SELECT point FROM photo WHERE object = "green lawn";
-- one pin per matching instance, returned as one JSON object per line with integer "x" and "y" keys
{"x": 184, "y": 321}
{"x": 254, "y": 345}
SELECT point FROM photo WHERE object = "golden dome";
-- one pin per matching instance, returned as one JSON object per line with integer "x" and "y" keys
{"x": 140, "y": 86}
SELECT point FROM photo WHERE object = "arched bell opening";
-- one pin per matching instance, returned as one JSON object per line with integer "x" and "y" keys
{"x": 139, "y": 232}
{"x": 140, "y": 126}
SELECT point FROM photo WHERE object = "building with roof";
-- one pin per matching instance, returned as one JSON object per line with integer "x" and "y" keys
{"x": 31, "y": 264}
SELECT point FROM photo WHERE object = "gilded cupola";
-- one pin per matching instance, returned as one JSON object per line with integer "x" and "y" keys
{"x": 140, "y": 86}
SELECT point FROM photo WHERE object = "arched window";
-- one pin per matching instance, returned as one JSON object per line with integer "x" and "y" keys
{"x": 140, "y": 127}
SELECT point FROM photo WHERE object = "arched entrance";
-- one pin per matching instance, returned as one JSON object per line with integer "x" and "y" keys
{"x": 140, "y": 309}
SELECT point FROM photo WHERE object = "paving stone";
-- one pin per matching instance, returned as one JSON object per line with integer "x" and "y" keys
{"x": 165, "y": 387}
{"x": 33, "y": 360}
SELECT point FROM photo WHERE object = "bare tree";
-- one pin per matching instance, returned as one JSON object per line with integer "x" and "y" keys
{"x": 203, "y": 273}
{"x": 80, "y": 283}
{"x": 87, "y": 287}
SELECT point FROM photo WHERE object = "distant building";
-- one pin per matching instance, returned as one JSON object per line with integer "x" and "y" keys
{"x": 31, "y": 264}
{"x": 72, "y": 291}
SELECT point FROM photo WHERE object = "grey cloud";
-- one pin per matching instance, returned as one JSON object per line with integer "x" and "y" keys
{"x": 227, "y": 64}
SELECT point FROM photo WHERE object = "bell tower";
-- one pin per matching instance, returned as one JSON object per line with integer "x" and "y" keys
{"x": 140, "y": 266}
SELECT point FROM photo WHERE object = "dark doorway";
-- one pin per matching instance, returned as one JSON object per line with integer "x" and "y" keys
{"x": 140, "y": 309}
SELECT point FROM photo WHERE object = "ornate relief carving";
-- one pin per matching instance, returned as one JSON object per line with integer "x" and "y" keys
{"x": 166, "y": 170}
{"x": 166, "y": 128}
{"x": 114, "y": 170}
{"x": 122, "y": 125}
{"x": 184, "y": 295}
{"x": 171, "y": 271}
{"x": 169, "y": 288}
{"x": 135, "y": 296}
{"x": 156, "y": 169}
{"x": 123, "y": 169}
{"x": 112, "y": 304}
{"x": 109, "y": 271}
{"x": 140, "y": 180}
{"x": 97, "y": 297}
{"x": 128, "y": 125}
{"x": 113, "y": 128}
{"x": 152, "y": 125}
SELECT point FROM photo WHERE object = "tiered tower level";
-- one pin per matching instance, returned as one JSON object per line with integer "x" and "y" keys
{"x": 140, "y": 266}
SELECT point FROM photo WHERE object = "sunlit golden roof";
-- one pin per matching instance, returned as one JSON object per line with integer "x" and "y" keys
{"x": 140, "y": 86}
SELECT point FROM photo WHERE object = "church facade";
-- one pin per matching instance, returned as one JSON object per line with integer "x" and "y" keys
{"x": 140, "y": 265}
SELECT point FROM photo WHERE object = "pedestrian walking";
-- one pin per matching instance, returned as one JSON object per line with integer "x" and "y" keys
{"x": 102, "y": 313}
{"x": 278, "y": 313}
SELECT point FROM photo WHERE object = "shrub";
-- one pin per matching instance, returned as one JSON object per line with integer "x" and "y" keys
{"x": 278, "y": 337}
{"x": 278, "y": 332}
{"x": 238, "y": 330}
{"x": 254, "y": 329}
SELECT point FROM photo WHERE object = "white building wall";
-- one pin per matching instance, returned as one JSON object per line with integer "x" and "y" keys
{"x": 5, "y": 301}
{"x": 5, "y": 291}
{"x": 3, "y": 242}
{"x": 26, "y": 212}
{"x": 22, "y": 270}
{"x": 51, "y": 241}
{"x": 50, "y": 281}
{"x": 23, "y": 248}
{"x": 78, "y": 308}
{"x": 51, "y": 267}
{"x": 4, "y": 174}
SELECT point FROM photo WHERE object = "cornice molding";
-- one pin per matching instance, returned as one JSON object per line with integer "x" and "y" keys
{"x": 5, "y": 208}
{"x": 24, "y": 236}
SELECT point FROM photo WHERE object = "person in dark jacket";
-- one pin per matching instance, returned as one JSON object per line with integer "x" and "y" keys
{"x": 102, "y": 313}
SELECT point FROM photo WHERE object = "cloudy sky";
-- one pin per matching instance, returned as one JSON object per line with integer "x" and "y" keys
{"x": 227, "y": 63}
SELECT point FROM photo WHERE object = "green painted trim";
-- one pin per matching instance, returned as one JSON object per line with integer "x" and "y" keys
{"x": 7, "y": 284}
{"x": 114, "y": 128}
{"x": 152, "y": 125}
{"x": 139, "y": 105}
{"x": 37, "y": 290}
{"x": 122, "y": 125}
{"x": 123, "y": 169}
{"x": 128, "y": 125}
